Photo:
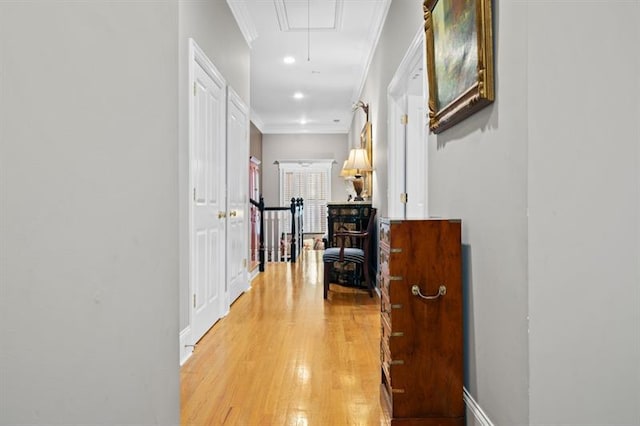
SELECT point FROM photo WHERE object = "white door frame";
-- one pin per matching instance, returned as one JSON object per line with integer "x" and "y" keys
{"x": 197, "y": 58}
{"x": 397, "y": 107}
{"x": 237, "y": 277}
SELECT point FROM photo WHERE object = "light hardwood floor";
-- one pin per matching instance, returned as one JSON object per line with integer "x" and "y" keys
{"x": 285, "y": 356}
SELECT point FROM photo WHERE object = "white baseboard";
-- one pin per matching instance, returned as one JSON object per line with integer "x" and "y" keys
{"x": 253, "y": 274}
{"x": 478, "y": 413}
{"x": 185, "y": 341}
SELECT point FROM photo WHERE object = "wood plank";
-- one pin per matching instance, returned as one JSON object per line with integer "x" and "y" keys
{"x": 285, "y": 356}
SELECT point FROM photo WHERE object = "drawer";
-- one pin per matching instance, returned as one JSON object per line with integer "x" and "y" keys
{"x": 383, "y": 283}
{"x": 385, "y": 321}
{"x": 384, "y": 259}
{"x": 385, "y": 360}
{"x": 385, "y": 235}
{"x": 385, "y": 301}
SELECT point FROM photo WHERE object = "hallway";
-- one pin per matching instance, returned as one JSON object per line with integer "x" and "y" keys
{"x": 284, "y": 356}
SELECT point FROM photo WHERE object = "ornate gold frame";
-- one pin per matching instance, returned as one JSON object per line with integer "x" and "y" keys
{"x": 366, "y": 143}
{"x": 479, "y": 94}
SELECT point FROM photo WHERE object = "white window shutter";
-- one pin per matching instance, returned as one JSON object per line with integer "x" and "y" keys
{"x": 311, "y": 181}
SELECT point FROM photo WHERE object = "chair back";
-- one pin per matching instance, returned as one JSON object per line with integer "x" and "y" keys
{"x": 372, "y": 220}
{"x": 371, "y": 227}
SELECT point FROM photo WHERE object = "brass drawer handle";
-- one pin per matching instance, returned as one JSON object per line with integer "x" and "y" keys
{"x": 415, "y": 290}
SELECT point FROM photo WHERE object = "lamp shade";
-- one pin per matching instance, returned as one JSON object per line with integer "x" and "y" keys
{"x": 345, "y": 172}
{"x": 359, "y": 160}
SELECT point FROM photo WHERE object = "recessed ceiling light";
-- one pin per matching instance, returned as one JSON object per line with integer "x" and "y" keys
{"x": 289, "y": 59}
{"x": 298, "y": 95}
{"x": 303, "y": 121}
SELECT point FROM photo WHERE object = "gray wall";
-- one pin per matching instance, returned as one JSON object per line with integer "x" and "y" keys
{"x": 478, "y": 172}
{"x": 213, "y": 27}
{"x": 584, "y": 254}
{"x": 546, "y": 181}
{"x": 403, "y": 20}
{"x": 89, "y": 259}
{"x": 302, "y": 146}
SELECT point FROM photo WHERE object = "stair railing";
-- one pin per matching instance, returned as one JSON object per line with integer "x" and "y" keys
{"x": 280, "y": 232}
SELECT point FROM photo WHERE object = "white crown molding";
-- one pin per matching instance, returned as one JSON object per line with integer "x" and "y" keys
{"x": 475, "y": 408}
{"x": 374, "y": 37}
{"x": 256, "y": 120}
{"x": 304, "y": 129}
{"x": 241, "y": 13}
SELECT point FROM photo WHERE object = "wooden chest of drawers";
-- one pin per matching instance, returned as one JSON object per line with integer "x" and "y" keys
{"x": 421, "y": 344}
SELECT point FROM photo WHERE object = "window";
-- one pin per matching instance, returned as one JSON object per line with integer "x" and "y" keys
{"x": 311, "y": 181}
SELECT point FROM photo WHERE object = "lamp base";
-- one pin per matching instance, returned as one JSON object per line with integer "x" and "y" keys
{"x": 358, "y": 184}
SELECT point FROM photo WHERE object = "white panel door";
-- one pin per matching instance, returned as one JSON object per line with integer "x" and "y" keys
{"x": 396, "y": 178}
{"x": 415, "y": 159}
{"x": 237, "y": 195}
{"x": 407, "y": 154}
{"x": 208, "y": 174}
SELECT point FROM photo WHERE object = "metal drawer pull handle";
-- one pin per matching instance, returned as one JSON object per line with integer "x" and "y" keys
{"x": 415, "y": 290}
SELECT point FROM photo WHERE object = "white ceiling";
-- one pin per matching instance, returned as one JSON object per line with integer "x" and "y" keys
{"x": 332, "y": 42}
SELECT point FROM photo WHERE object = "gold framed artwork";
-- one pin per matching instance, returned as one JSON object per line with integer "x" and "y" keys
{"x": 459, "y": 36}
{"x": 366, "y": 143}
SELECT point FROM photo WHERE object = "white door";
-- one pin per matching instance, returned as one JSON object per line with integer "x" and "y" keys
{"x": 396, "y": 173}
{"x": 407, "y": 153}
{"x": 207, "y": 170}
{"x": 415, "y": 157}
{"x": 238, "y": 197}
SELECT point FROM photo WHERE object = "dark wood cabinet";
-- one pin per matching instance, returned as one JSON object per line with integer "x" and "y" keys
{"x": 352, "y": 216}
{"x": 421, "y": 344}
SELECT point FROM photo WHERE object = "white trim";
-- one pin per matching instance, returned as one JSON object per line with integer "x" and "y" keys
{"x": 397, "y": 105}
{"x": 395, "y": 158}
{"x": 283, "y": 18}
{"x": 297, "y": 128}
{"x": 240, "y": 12}
{"x": 236, "y": 100}
{"x": 414, "y": 50}
{"x": 374, "y": 37}
{"x": 253, "y": 274}
{"x": 475, "y": 409}
{"x": 197, "y": 56}
{"x": 186, "y": 350}
{"x": 256, "y": 120}
{"x": 291, "y": 164}
{"x": 314, "y": 209}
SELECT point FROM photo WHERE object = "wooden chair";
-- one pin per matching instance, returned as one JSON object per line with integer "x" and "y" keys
{"x": 358, "y": 255}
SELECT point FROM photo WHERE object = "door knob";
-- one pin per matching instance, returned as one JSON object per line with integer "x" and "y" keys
{"x": 221, "y": 215}
{"x": 232, "y": 213}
